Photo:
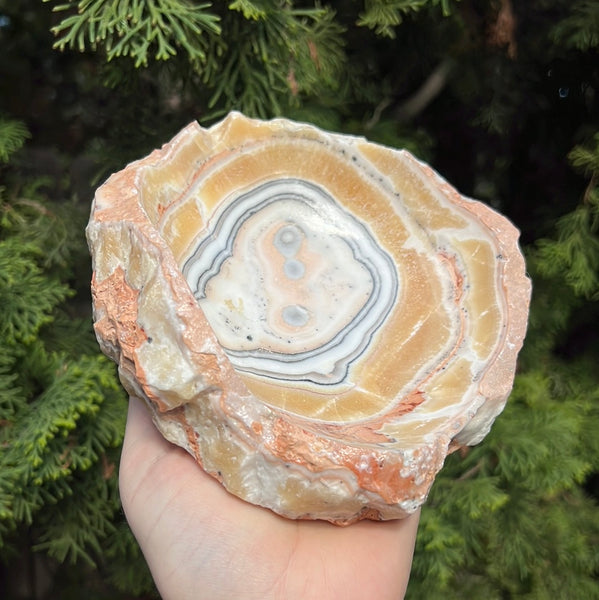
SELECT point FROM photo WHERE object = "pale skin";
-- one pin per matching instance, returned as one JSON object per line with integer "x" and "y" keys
{"x": 201, "y": 542}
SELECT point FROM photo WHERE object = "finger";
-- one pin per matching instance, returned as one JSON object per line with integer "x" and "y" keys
{"x": 150, "y": 469}
{"x": 140, "y": 429}
{"x": 155, "y": 473}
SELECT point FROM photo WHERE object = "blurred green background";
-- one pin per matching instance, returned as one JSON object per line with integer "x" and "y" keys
{"x": 500, "y": 96}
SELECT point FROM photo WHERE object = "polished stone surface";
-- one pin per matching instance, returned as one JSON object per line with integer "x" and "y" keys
{"x": 319, "y": 320}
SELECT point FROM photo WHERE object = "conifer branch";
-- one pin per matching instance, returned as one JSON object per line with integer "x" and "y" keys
{"x": 581, "y": 29}
{"x": 285, "y": 52}
{"x": 427, "y": 92}
{"x": 140, "y": 29}
{"x": 575, "y": 253}
{"x": 472, "y": 471}
{"x": 12, "y": 137}
{"x": 383, "y": 16}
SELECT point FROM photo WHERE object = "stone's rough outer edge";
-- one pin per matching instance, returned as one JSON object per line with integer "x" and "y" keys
{"x": 266, "y": 456}
{"x": 498, "y": 380}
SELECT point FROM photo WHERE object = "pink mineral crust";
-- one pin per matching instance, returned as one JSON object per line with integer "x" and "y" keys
{"x": 317, "y": 319}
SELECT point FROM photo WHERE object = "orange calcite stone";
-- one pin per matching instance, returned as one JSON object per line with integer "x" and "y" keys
{"x": 317, "y": 319}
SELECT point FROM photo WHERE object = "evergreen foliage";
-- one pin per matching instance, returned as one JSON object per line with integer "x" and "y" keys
{"x": 500, "y": 513}
{"x": 139, "y": 30}
{"x": 383, "y": 16}
{"x": 62, "y": 410}
{"x": 501, "y": 97}
{"x": 286, "y": 52}
{"x": 12, "y": 137}
{"x": 580, "y": 29}
{"x": 574, "y": 255}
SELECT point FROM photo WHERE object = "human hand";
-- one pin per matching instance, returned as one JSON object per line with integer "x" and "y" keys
{"x": 201, "y": 542}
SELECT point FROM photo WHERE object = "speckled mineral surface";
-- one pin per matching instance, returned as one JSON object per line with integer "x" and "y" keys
{"x": 317, "y": 319}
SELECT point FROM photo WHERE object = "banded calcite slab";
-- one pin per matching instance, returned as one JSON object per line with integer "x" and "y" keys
{"x": 317, "y": 319}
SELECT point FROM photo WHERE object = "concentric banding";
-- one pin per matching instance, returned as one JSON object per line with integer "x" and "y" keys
{"x": 355, "y": 201}
{"x": 422, "y": 310}
{"x": 311, "y": 281}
